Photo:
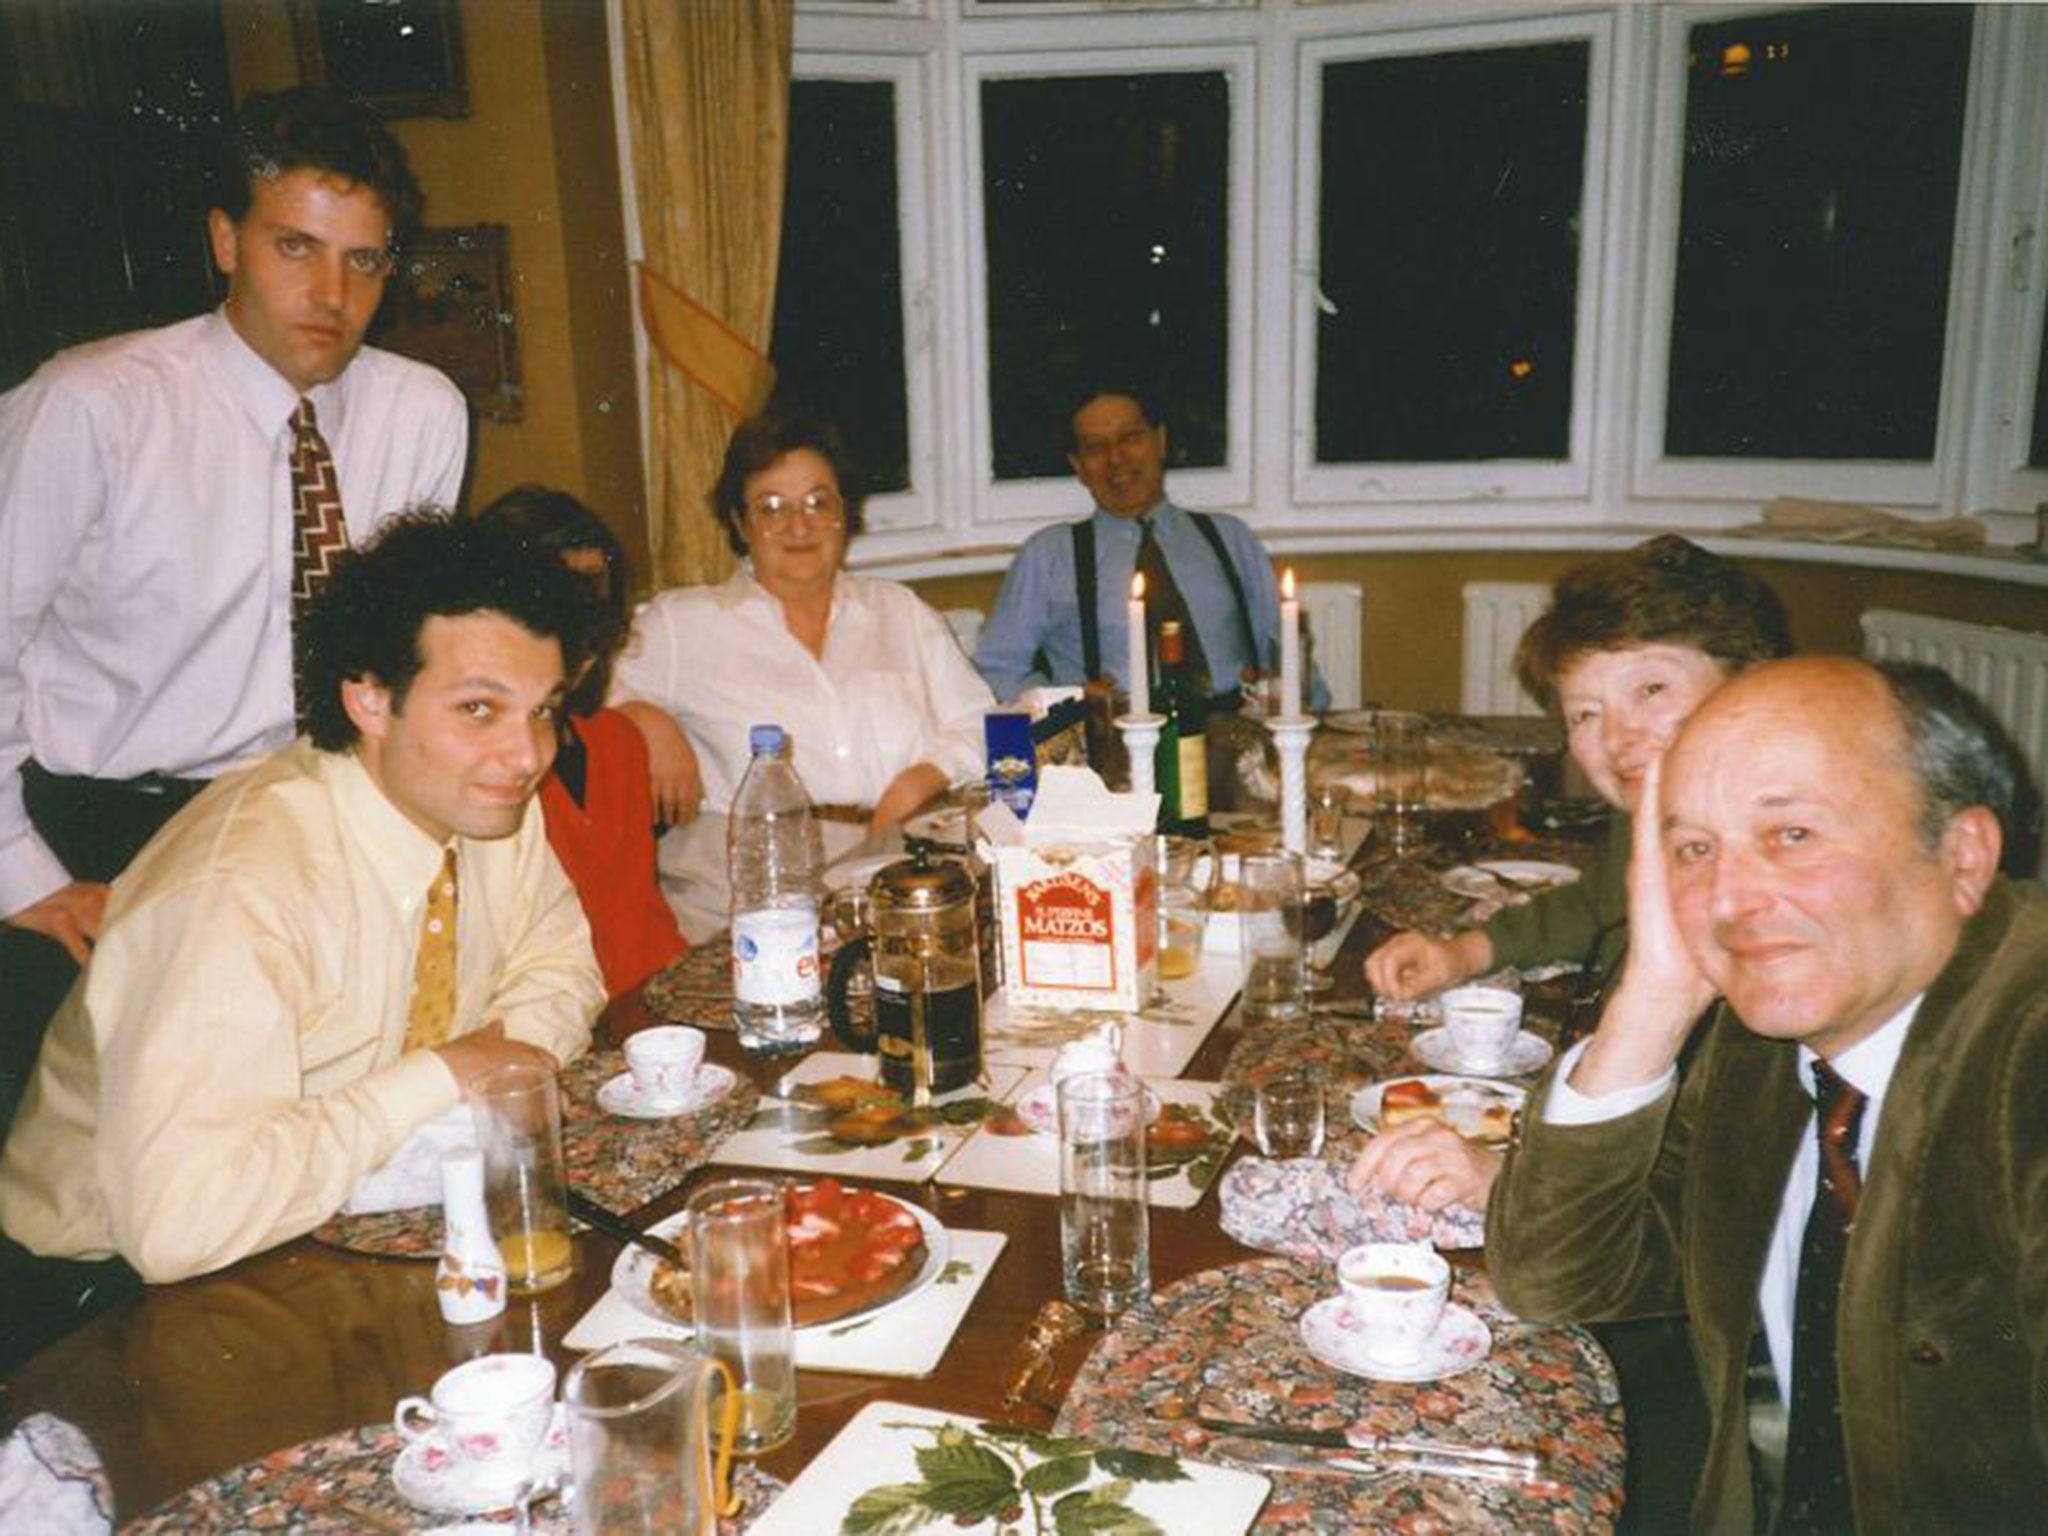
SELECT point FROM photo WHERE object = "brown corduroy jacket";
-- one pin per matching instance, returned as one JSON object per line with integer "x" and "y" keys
{"x": 1943, "y": 1330}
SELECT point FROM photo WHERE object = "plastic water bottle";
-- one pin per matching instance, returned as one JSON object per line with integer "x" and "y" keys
{"x": 775, "y": 857}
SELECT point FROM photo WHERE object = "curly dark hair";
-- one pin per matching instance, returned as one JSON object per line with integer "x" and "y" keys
{"x": 556, "y": 524}
{"x": 758, "y": 444}
{"x": 313, "y": 127}
{"x": 1667, "y": 591}
{"x": 420, "y": 565}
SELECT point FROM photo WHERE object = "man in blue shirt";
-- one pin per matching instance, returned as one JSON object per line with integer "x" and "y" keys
{"x": 1041, "y": 632}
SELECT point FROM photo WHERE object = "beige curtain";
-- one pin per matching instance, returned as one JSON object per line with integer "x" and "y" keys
{"x": 707, "y": 92}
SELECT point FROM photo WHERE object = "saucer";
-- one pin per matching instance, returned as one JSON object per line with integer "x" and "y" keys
{"x": 1336, "y": 1338}
{"x": 1526, "y": 1053}
{"x": 427, "y": 1474}
{"x": 621, "y": 1095}
{"x": 1039, "y": 1108}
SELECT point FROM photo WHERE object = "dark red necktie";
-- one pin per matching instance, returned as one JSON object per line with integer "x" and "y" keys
{"x": 1164, "y": 600}
{"x": 1816, "y": 1497}
{"x": 319, "y": 534}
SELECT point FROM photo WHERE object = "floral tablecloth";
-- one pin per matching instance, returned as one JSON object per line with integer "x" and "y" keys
{"x": 342, "y": 1484}
{"x": 1224, "y": 1343}
{"x": 619, "y": 1162}
{"x": 696, "y": 988}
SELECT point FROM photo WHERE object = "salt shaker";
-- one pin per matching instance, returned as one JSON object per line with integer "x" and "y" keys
{"x": 469, "y": 1281}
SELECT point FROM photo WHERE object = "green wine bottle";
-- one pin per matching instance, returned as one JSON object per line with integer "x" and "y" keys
{"x": 1181, "y": 766}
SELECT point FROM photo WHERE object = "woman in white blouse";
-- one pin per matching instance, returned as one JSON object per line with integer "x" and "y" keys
{"x": 882, "y": 707}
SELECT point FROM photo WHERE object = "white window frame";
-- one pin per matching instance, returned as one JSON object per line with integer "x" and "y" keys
{"x": 1022, "y": 504}
{"x": 901, "y": 521}
{"x": 1358, "y": 484}
{"x": 1901, "y": 483}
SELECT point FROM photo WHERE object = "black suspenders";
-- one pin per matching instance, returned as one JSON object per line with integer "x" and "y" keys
{"x": 1084, "y": 587}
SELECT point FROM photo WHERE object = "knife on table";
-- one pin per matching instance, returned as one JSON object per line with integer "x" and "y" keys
{"x": 1273, "y": 1457}
{"x": 1523, "y": 1463}
{"x": 612, "y": 1224}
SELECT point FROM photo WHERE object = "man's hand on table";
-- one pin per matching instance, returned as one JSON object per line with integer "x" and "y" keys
{"x": 908, "y": 793}
{"x": 672, "y": 769}
{"x": 1427, "y": 1164}
{"x": 483, "y": 1050}
{"x": 1411, "y": 965}
{"x": 1661, "y": 992}
{"x": 70, "y": 915}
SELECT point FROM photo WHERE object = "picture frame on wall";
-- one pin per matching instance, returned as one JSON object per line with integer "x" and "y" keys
{"x": 403, "y": 57}
{"x": 452, "y": 307}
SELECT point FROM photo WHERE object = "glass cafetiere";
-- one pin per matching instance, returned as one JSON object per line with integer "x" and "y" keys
{"x": 922, "y": 944}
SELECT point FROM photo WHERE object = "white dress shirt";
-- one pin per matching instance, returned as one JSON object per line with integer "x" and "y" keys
{"x": 1867, "y": 1066}
{"x": 892, "y": 689}
{"x": 146, "y": 551}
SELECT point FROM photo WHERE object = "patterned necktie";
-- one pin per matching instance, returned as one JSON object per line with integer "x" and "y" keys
{"x": 431, "y": 1016}
{"x": 1816, "y": 1496}
{"x": 318, "y": 532}
{"x": 1165, "y": 601}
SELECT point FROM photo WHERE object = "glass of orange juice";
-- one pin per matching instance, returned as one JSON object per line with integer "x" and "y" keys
{"x": 519, "y": 1127}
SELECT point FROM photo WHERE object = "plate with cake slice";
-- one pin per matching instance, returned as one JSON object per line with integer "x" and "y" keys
{"x": 1477, "y": 1108}
{"x": 852, "y": 1253}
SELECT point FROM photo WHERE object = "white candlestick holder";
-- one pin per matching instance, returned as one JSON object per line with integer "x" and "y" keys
{"x": 1141, "y": 740}
{"x": 1291, "y": 734}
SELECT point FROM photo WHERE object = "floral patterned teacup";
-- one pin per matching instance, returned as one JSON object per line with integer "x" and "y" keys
{"x": 490, "y": 1414}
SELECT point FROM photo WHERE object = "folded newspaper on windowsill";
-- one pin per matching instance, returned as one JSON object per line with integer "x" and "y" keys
{"x": 1851, "y": 522}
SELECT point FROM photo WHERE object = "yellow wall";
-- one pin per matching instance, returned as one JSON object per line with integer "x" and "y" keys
{"x": 1414, "y": 604}
{"x": 536, "y": 155}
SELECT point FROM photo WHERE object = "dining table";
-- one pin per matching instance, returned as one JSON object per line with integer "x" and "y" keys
{"x": 262, "y": 1394}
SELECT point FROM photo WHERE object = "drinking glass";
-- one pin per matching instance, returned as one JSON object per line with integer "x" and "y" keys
{"x": 1184, "y": 866}
{"x": 1270, "y": 924}
{"x": 1401, "y": 762}
{"x": 519, "y": 1127}
{"x": 1326, "y": 806}
{"x": 1287, "y": 1116}
{"x": 1105, "y": 1225}
{"x": 739, "y": 1284}
{"x": 640, "y": 1440}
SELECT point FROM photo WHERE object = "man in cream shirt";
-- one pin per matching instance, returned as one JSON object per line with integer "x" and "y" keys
{"x": 246, "y": 1042}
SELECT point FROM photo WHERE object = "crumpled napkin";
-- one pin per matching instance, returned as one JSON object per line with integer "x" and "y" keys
{"x": 1299, "y": 1207}
{"x": 411, "y": 1176}
{"x": 51, "y": 1481}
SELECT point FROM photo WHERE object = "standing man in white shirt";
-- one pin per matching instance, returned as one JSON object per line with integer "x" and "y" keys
{"x": 1846, "y": 1188}
{"x": 168, "y": 502}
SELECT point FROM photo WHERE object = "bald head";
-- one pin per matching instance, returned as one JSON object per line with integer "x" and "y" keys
{"x": 1802, "y": 873}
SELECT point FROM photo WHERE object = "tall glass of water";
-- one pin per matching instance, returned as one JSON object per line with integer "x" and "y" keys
{"x": 1270, "y": 918}
{"x": 1105, "y": 1225}
{"x": 739, "y": 1287}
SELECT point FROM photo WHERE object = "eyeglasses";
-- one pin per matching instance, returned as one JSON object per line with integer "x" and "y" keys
{"x": 822, "y": 507}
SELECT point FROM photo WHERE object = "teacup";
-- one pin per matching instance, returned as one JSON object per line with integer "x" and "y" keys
{"x": 665, "y": 1061}
{"x": 1482, "y": 1023}
{"x": 491, "y": 1413}
{"x": 1396, "y": 1292}
{"x": 1099, "y": 1052}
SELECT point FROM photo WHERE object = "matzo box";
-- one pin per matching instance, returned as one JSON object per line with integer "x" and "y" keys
{"x": 1080, "y": 924}
{"x": 1075, "y": 892}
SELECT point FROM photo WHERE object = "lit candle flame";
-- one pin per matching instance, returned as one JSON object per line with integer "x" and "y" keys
{"x": 1137, "y": 586}
{"x": 1287, "y": 583}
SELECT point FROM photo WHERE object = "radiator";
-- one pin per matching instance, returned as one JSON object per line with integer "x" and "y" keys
{"x": 1496, "y": 613}
{"x": 1335, "y": 614}
{"x": 2006, "y": 668}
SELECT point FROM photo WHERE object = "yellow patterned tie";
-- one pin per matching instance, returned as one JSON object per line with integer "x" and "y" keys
{"x": 431, "y": 1017}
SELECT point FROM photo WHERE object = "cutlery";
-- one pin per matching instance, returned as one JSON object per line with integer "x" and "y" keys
{"x": 1342, "y": 1440}
{"x": 1286, "y": 1458}
{"x": 612, "y": 1224}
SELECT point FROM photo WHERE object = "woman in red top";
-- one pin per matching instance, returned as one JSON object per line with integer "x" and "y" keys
{"x": 599, "y": 808}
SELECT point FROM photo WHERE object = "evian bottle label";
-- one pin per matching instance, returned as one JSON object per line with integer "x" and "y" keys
{"x": 775, "y": 955}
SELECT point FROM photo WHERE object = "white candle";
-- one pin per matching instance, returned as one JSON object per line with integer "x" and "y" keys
{"x": 1290, "y": 647}
{"x": 1139, "y": 683}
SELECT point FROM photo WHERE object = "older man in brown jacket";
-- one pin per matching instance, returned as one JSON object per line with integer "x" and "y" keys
{"x": 1822, "y": 858}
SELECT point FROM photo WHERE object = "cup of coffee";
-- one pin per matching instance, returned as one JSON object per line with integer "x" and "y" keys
{"x": 1396, "y": 1293}
{"x": 1482, "y": 1023}
{"x": 665, "y": 1061}
{"x": 491, "y": 1413}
